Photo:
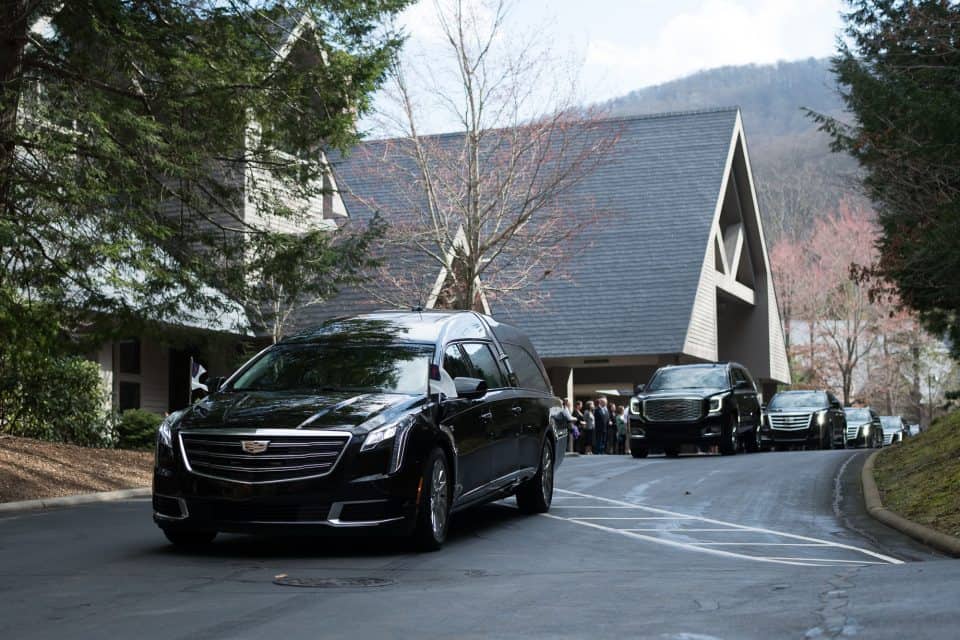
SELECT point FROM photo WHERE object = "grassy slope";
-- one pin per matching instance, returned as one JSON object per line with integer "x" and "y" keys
{"x": 920, "y": 479}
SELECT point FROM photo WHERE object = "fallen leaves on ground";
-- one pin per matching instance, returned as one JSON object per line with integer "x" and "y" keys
{"x": 31, "y": 469}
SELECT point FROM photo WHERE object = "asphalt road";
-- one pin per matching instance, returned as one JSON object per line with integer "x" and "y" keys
{"x": 772, "y": 545}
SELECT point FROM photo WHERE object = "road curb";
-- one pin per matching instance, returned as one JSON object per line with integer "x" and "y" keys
{"x": 71, "y": 501}
{"x": 930, "y": 537}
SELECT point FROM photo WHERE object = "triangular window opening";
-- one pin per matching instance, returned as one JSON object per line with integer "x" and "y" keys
{"x": 717, "y": 256}
{"x": 745, "y": 268}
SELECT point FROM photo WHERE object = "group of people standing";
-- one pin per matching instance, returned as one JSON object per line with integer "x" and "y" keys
{"x": 597, "y": 427}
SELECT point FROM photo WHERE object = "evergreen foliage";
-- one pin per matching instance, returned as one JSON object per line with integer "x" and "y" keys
{"x": 900, "y": 69}
{"x": 137, "y": 429}
{"x": 126, "y": 129}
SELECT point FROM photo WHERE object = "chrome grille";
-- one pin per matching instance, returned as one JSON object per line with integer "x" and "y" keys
{"x": 852, "y": 431}
{"x": 888, "y": 437}
{"x": 673, "y": 409}
{"x": 789, "y": 421}
{"x": 288, "y": 455}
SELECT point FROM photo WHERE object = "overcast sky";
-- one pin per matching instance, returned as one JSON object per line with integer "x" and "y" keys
{"x": 622, "y": 45}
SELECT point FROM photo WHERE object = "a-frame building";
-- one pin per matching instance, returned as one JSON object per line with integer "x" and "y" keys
{"x": 675, "y": 269}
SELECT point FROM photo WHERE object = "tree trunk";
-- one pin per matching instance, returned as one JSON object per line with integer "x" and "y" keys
{"x": 13, "y": 39}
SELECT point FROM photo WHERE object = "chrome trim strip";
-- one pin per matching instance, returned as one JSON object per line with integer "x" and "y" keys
{"x": 180, "y": 502}
{"x": 333, "y": 517}
{"x": 261, "y": 432}
{"x": 265, "y": 432}
{"x": 264, "y": 456}
{"x": 504, "y": 480}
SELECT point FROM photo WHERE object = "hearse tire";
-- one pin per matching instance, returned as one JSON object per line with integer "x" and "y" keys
{"x": 536, "y": 494}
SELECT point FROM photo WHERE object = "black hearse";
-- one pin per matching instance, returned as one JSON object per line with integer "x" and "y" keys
{"x": 388, "y": 422}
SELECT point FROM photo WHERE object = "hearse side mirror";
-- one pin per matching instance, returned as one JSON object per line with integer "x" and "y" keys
{"x": 470, "y": 387}
{"x": 639, "y": 389}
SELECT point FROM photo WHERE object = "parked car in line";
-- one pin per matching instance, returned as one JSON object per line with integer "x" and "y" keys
{"x": 913, "y": 429}
{"x": 863, "y": 428}
{"x": 700, "y": 405}
{"x": 813, "y": 419}
{"x": 894, "y": 429}
{"x": 386, "y": 422}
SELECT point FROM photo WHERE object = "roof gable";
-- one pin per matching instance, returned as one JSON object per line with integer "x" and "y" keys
{"x": 629, "y": 282}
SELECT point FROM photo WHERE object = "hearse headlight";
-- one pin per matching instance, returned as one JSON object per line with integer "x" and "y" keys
{"x": 635, "y": 406}
{"x": 164, "y": 452}
{"x": 386, "y": 432}
{"x": 164, "y": 433}
{"x": 716, "y": 403}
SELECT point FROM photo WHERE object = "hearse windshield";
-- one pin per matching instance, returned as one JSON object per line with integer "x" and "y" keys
{"x": 798, "y": 400}
{"x": 689, "y": 378}
{"x": 340, "y": 365}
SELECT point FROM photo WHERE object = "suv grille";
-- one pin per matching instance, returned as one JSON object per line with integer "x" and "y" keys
{"x": 852, "y": 431}
{"x": 287, "y": 456}
{"x": 673, "y": 409}
{"x": 789, "y": 421}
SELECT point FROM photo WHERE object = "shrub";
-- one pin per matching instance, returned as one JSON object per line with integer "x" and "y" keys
{"x": 62, "y": 399}
{"x": 137, "y": 429}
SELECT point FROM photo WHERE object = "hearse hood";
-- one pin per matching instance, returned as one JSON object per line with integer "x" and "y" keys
{"x": 274, "y": 410}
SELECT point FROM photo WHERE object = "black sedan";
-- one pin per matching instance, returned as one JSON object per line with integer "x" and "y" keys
{"x": 384, "y": 422}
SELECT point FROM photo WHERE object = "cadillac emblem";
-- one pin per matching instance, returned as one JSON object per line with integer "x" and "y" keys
{"x": 254, "y": 446}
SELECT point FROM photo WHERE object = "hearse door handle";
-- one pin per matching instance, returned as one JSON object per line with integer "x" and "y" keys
{"x": 517, "y": 410}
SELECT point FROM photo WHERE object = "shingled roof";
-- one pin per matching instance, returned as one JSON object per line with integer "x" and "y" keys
{"x": 630, "y": 283}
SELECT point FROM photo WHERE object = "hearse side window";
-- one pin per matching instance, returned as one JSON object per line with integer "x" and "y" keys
{"x": 526, "y": 369}
{"x": 455, "y": 363}
{"x": 484, "y": 364}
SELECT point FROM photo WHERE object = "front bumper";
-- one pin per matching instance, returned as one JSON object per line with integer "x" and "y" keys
{"x": 341, "y": 501}
{"x": 658, "y": 435}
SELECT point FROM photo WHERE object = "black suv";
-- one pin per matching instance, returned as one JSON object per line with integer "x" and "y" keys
{"x": 388, "y": 422}
{"x": 698, "y": 404}
{"x": 812, "y": 419}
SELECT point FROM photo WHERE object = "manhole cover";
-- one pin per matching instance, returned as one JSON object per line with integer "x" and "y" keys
{"x": 331, "y": 583}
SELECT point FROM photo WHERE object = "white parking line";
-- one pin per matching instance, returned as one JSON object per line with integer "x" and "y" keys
{"x": 703, "y": 547}
{"x": 680, "y": 530}
{"x": 628, "y": 518}
{"x": 760, "y": 544}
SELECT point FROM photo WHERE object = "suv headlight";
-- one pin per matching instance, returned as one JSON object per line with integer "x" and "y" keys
{"x": 866, "y": 429}
{"x": 822, "y": 417}
{"x": 716, "y": 403}
{"x": 635, "y": 406}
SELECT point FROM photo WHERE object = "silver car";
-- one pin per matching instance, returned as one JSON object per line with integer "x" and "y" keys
{"x": 894, "y": 429}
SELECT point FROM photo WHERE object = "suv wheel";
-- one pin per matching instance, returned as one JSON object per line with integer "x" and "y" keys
{"x": 755, "y": 444}
{"x": 729, "y": 442}
{"x": 536, "y": 494}
{"x": 433, "y": 512}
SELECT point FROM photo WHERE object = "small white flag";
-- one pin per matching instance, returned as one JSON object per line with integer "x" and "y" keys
{"x": 196, "y": 370}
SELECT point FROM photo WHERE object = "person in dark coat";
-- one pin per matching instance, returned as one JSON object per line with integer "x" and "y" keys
{"x": 601, "y": 417}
